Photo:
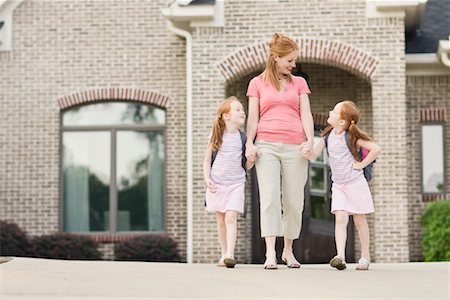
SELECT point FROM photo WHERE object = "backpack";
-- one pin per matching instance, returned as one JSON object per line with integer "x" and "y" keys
{"x": 244, "y": 161}
{"x": 362, "y": 154}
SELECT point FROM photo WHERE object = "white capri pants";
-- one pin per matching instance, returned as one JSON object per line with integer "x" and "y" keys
{"x": 281, "y": 204}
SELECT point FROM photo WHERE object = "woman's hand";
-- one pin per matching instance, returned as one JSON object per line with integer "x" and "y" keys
{"x": 251, "y": 152}
{"x": 211, "y": 185}
{"x": 306, "y": 148}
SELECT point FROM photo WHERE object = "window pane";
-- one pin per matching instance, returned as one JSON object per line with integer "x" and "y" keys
{"x": 114, "y": 113}
{"x": 320, "y": 208}
{"x": 140, "y": 181}
{"x": 433, "y": 158}
{"x": 86, "y": 167}
{"x": 317, "y": 178}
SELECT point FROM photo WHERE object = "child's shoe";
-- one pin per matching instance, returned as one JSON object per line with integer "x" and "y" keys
{"x": 363, "y": 264}
{"x": 338, "y": 263}
{"x": 229, "y": 262}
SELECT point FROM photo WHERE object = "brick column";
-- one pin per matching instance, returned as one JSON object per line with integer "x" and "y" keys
{"x": 390, "y": 185}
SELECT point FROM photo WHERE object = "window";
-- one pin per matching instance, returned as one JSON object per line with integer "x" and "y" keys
{"x": 433, "y": 169}
{"x": 113, "y": 168}
{"x": 319, "y": 186}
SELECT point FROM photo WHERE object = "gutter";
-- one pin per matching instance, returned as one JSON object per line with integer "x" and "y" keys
{"x": 444, "y": 52}
{"x": 187, "y": 35}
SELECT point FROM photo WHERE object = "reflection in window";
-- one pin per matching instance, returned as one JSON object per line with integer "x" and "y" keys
{"x": 113, "y": 176}
{"x": 433, "y": 158}
{"x": 86, "y": 165}
{"x": 140, "y": 185}
{"x": 319, "y": 186}
{"x": 114, "y": 113}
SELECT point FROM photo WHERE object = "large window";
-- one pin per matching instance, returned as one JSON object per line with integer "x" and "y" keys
{"x": 113, "y": 176}
{"x": 319, "y": 186}
{"x": 433, "y": 160}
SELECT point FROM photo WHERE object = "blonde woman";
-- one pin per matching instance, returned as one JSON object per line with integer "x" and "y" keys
{"x": 279, "y": 123}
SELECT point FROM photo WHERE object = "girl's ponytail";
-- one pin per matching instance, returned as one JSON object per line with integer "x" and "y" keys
{"x": 350, "y": 113}
{"x": 217, "y": 133}
{"x": 219, "y": 123}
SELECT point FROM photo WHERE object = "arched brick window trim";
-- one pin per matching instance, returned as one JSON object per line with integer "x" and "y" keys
{"x": 113, "y": 94}
{"x": 327, "y": 52}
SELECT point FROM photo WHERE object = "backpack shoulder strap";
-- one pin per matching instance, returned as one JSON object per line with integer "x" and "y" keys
{"x": 244, "y": 141}
{"x": 213, "y": 157}
{"x": 325, "y": 139}
{"x": 347, "y": 141}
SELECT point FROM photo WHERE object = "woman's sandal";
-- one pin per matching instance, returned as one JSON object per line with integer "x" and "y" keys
{"x": 338, "y": 263}
{"x": 270, "y": 264}
{"x": 292, "y": 264}
{"x": 221, "y": 262}
{"x": 229, "y": 262}
{"x": 363, "y": 264}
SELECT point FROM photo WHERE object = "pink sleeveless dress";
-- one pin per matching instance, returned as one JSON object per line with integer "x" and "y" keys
{"x": 229, "y": 176}
{"x": 350, "y": 189}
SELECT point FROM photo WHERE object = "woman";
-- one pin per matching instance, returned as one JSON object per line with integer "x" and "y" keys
{"x": 280, "y": 119}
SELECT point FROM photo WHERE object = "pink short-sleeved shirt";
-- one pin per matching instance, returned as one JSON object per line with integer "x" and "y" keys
{"x": 279, "y": 112}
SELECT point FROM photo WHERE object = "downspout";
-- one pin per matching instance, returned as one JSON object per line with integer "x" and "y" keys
{"x": 187, "y": 35}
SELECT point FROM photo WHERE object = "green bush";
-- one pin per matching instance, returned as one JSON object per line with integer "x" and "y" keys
{"x": 156, "y": 248}
{"x": 436, "y": 231}
{"x": 65, "y": 246}
{"x": 13, "y": 240}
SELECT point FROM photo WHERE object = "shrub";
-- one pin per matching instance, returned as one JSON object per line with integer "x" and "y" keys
{"x": 65, "y": 246}
{"x": 156, "y": 248}
{"x": 13, "y": 241}
{"x": 436, "y": 231}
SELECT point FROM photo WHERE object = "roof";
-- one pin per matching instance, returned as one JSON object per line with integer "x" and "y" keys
{"x": 435, "y": 26}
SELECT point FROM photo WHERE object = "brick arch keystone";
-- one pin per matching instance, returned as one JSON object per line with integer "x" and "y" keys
{"x": 327, "y": 52}
{"x": 112, "y": 94}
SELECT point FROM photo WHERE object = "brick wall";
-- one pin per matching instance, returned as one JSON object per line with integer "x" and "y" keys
{"x": 423, "y": 93}
{"x": 65, "y": 47}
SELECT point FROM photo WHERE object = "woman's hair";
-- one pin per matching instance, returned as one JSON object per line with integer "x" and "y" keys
{"x": 280, "y": 45}
{"x": 350, "y": 114}
{"x": 219, "y": 124}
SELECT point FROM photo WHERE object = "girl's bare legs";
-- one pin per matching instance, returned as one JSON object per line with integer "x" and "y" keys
{"x": 222, "y": 233}
{"x": 231, "y": 232}
{"x": 364, "y": 234}
{"x": 340, "y": 232}
{"x": 271, "y": 254}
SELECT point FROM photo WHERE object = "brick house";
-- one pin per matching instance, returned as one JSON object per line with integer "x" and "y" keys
{"x": 106, "y": 107}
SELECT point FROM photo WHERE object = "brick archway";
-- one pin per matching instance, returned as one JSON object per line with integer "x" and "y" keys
{"x": 327, "y": 52}
{"x": 111, "y": 94}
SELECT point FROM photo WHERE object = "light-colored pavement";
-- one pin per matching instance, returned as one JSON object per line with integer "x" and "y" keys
{"x": 32, "y": 278}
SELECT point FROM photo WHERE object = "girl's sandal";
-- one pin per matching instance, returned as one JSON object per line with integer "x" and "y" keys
{"x": 338, "y": 263}
{"x": 363, "y": 264}
{"x": 221, "y": 262}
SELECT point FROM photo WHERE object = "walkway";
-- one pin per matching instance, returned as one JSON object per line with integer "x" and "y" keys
{"x": 32, "y": 278}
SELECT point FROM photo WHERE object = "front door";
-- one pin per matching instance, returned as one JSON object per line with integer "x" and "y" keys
{"x": 316, "y": 243}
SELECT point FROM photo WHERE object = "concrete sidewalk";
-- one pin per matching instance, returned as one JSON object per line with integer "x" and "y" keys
{"x": 32, "y": 278}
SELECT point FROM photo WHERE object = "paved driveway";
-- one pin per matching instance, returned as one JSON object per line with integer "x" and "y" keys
{"x": 32, "y": 278}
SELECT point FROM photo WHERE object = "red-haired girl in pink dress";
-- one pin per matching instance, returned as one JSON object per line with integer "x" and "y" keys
{"x": 225, "y": 176}
{"x": 350, "y": 190}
